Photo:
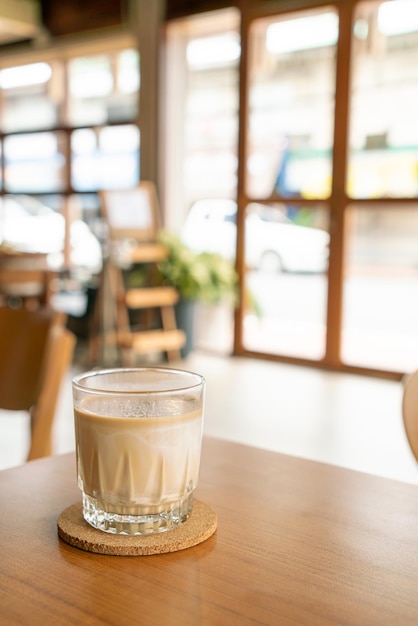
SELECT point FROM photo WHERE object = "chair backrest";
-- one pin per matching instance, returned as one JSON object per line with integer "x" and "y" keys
{"x": 131, "y": 213}
{"x": 410, "y": 411}
{"x": 26, "y": 277}
{"x": 35, "y": 353}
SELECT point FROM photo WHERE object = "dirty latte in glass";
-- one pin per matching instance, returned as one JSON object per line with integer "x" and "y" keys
{"x": 138, "y": 440}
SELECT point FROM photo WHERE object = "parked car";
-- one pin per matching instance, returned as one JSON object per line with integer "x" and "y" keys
{"x": 272, "y": 241}
{"x": 28, "y": 225}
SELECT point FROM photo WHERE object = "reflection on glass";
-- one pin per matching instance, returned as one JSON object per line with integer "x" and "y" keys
{"x": 381, "y": 288}
{"x": 31, "y": 96}
{"x": 383, "y": 159}
{"x": 106, "y": 158}
{"x": 291, "y": 104}
{"x": 35, "y": 162}
{"x": 286, "y": 282}
{"x": 103, "y": 88}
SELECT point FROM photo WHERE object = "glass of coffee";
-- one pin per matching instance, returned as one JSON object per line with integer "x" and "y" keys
{"x": 138, "y": 442}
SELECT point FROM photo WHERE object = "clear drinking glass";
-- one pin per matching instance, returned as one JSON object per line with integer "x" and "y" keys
{"x": 138, "y": 442}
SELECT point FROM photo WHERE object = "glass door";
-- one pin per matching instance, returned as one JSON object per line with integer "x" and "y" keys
{"x": 380, "y": 309}
{"x": 292, "y": 148}
{"x": 288, "y": 179}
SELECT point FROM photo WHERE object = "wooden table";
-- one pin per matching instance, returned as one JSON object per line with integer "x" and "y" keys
{"x": 298, "y": 542}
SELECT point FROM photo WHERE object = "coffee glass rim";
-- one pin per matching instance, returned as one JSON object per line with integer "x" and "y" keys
{"x": 93, "y": 374}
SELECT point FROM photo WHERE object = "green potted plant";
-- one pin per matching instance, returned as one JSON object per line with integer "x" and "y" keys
{"x": 198, "y": 277}
{"x": 204, "y": 276}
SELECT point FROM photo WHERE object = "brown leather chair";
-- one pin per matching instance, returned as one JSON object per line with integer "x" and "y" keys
{"x": 35, "y": 353}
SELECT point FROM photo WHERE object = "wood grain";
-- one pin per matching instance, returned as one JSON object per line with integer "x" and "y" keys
{"x": 297, "y": 542}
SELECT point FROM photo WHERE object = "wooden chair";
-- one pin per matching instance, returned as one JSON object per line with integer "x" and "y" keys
{"x": 132, "y": 217}
{"x": 26, "y": 278}
{"x": 35, "y": 353}
{"x": 410, "y": 411}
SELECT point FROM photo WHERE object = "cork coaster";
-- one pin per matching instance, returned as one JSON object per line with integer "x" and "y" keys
{"x": 73, "y": 529}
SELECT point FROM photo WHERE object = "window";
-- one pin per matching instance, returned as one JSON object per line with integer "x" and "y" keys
{"x": 70, "y": 125}
{"x": 103, "y": 88}
{"x": 328, "y": 150}
{"x": 201, "y": 140}
{"x": 291, "y": 105}
{"x": 35, "y": 163}
{"x": 105, "y": 158}
{"x": 31, "y": 96}
{"x": 383, "y": 158}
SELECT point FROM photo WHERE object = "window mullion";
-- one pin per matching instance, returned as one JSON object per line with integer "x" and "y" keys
{"x": 338, "y": 194}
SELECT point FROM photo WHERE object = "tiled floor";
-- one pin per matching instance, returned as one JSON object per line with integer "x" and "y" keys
{"x": 347, "y": 420}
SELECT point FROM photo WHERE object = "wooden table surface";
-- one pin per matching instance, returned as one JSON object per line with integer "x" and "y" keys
{"x": 298, "y": 542}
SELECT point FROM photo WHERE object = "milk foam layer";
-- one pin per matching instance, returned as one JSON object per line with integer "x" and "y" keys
{"x": 137, "y": 465}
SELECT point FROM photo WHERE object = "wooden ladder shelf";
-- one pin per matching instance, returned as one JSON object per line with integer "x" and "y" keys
{"x": 154, "y": 301}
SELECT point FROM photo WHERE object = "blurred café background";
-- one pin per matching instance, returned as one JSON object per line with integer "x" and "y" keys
{"x": 281, "y": 134}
